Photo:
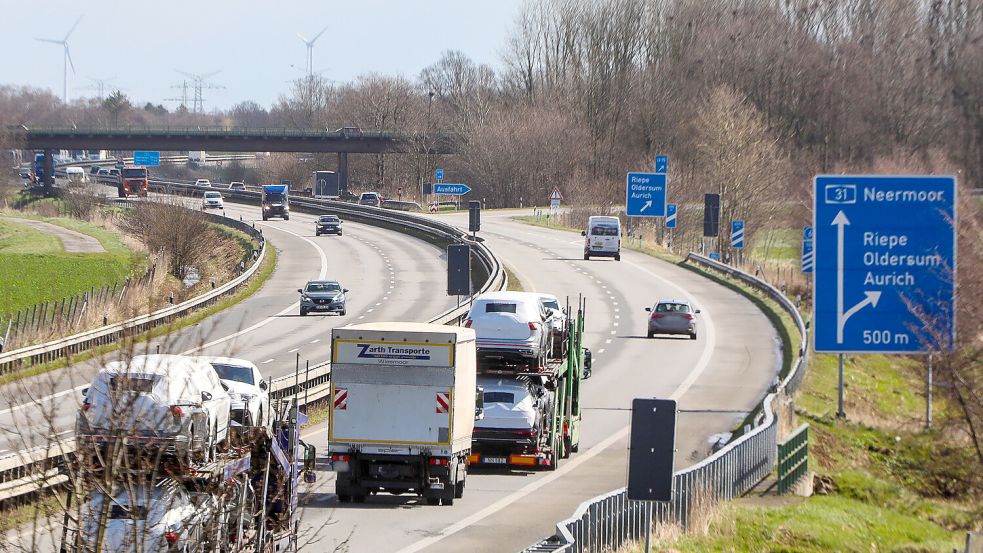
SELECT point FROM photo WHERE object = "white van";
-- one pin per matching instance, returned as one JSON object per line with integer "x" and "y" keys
{"x": 603, "y": 237}
{"x": 76, "y": 176}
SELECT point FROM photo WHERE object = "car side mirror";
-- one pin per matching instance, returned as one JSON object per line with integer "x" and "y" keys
{"x": 206, "y": 396}
{"x": 300, "y": 290}
{"x": 344, "y": 290}
{"x": 697, "y": 311}
{"x": 649, "y": 309}
{"x": 479, "y": 403}
{"x": 85, "y": 392}
{"x": 263, "y": 385}
{"x": 583, "y": 233}
{"x": 224, "y": 386}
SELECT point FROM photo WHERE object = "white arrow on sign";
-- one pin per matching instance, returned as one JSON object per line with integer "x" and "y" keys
{"x": 870, "y": 298}
{"x": 647, "y": 205}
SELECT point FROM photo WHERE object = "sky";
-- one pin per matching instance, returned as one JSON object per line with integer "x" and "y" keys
{"x": 142, "y": 44}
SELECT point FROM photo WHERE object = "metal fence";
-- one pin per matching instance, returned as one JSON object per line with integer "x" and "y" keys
{"x": 610, "y": 521}
{"x": 793, "y": 459}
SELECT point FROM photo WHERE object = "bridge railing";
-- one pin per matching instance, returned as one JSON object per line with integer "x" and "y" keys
{"x": 610, "y": 521}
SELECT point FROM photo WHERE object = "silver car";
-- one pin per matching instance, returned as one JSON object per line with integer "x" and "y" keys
{"x": 672, "y": 317}
{"x": 322, "y": 296}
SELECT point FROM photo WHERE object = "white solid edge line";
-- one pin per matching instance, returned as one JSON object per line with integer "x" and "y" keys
{"x": 701, "y": 365}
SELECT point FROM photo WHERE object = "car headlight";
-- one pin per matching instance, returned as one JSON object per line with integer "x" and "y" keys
{"x": 304, "y": 298}
{"x": 339, "y": 298}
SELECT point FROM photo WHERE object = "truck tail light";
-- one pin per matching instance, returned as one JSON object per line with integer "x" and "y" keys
{"x": 177, "y": 411}
{"x": 343, "y": 457}
{"x": 171, "y": 537}
{"x": 439, "y": 461}
{"x": 467, "y": 323}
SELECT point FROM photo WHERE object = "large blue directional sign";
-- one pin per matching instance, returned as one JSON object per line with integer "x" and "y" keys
{"x": 451, "y": 189}
{"x": 884, "y": 264}
{"x": 670, "y": 215}
{"x": 661, "y": 164}
{"x": 808, "y": 254}
{"x": 645, "y": 195}
{"x": 147, "y": 159}
{"x": 737, "y": 233}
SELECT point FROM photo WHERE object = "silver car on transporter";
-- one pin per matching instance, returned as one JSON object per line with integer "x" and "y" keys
{"x": 672, "y": 317}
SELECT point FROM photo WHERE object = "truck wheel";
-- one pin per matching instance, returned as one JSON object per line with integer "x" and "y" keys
{"x": 459, "y": 489}
{"x": 358, "y": 498}
{"x": 617, "y": 257}
{"x": 651, "y": 335}
{"x": 554, "y": 461}
{"x": 586, "y": 257}
{"x": 265, "y": 218}
{"x": 344, "y": 498}
{"x": 433, "y": 501}
{"x": 567, "y": 447}
{"x": 575, "y": 447}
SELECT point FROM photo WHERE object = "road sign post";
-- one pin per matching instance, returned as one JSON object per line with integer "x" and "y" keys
{"x": 661, "y": 164}
{"x": 808, "y": 255}
{"x": 737, "y": 234}
{"x": 885, "y": 265}
{"x": 645, "y": 195}
{"x": 671, "y": 216}
{"x": 439, "y": 175}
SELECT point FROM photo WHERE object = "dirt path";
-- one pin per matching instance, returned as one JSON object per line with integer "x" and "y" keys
{"x": 74, "y": 242}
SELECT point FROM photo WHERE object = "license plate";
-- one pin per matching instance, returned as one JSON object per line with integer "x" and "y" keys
{"x": 323, "y": 307}
{"x": 496, "y": 460}
{"x": 598, "y": 243}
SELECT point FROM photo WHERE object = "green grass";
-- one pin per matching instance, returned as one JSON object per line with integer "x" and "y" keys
{"x": 777, "y": 245}
{"x": 817, "y": 525}
{"x": 515, "y": 285}
{"x": 34, "y": 268}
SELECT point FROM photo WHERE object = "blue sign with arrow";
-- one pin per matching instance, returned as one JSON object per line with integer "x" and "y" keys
{"x": 439, "y": 173}
{"x": 146, "y": 159}
{"x": 451, "y": 189}
{"x": 808, "y": 255}
{"x": 661, "y": 164}
{"x": 885, "y": 262}
{"x": 670, "y": 215}
{"x": 645, "y": 195}
{"x": 737, "y": 233}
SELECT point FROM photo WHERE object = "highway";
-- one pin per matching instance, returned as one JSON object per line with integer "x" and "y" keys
{"x": 391, "y": 277}
{"x": 717, "y": 379}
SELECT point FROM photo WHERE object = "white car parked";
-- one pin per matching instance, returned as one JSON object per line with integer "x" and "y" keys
{"x": 247, "y": 388}
{"x": 512, "y": 328}
{"x": 144, "y": 517}
{"x": 173, "y": 403}
{"x": 213, "y": 200}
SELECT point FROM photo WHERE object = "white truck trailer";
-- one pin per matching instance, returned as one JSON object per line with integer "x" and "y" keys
{"x": 404, "y": 402}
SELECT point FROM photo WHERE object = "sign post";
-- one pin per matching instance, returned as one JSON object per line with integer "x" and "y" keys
{"x": 651, "y": 453}
{"x": 555, "y": 198}
{"x": 885, "y": 263}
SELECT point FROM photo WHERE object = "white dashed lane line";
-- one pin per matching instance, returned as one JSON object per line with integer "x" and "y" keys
{"x": 268, "y": 361}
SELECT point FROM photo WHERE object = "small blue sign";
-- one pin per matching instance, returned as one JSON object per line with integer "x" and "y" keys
{"x": 808, "y": 254}
{"x": 661, "y": 164}
{"x": 885, "y": 263}
{"x": 670, "y": 215}
{"x": 645, "y": 195}
{"x": 147, "y": 159}
{"x": 715, "y": 256}
{"x": 737, "y": 233}
{"x": 439, "y": 173}
{"x": 451, "y": 189}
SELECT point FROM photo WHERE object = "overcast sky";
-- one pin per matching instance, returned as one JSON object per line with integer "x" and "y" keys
{"x": 254, "y": 43}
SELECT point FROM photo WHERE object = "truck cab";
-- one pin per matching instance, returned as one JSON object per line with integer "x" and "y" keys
{"x": 133, "y": 180}
{"x": 276, "y": 201}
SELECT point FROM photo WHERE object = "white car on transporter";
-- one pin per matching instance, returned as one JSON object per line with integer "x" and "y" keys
{"x": 513, "y": 329}
{"x": 247, "y": 388}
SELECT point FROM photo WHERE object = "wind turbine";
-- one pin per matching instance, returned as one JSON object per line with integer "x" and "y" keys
{"x": 310, "y": 49}
{"x": 68, "y": 59}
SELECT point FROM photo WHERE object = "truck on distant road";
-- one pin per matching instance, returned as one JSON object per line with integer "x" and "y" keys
{"x": 276, "y": 201}
{"x": 196, "y": 158}
{"x": 401, "y": 416}
{"x": 133, "y": 180}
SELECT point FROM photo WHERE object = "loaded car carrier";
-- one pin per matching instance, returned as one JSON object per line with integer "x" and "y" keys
{"x": 559, "y": 433}
{"x": 244, "y": 498}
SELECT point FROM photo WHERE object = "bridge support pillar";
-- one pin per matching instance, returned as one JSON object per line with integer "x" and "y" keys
{"x": 342, "y": 173}
{"x": 49, "y": 171}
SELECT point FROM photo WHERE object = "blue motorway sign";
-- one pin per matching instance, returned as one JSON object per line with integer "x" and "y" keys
{"x": 670, "y": 215}
{"x": 645, "y": 195}
{"x": 661, "y": 164}
{"x": 714, "y": 256}
{"x": 147, "y": 159}
{"x": 737, "y": 233}
{"x": 808, "y": 254}
{"x": 884, "y": 263}
{"x": 439, "y": 173}
{"x": 451, "y": 189}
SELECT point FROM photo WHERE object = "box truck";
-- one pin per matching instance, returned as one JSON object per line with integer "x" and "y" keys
{"x": 401, "y": 417}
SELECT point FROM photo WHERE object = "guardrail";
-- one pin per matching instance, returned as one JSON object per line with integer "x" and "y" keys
{"x": 29, "y": 472}
{"x": 609, "y": 521}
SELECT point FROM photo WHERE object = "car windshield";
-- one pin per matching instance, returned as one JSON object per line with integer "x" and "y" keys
{"x": 499, "y": 397}
{"x": 672, "y": 308}
{"x": 137, "y": 512}
{"x": 213, "y": 195}
{"x": 370, "y": 196}
{"x": 143, "y": 385}
{"x": 234, "y": 372}
{"x": 134, "y": 173}
{"x": 328, "y": 219}
{"x": 552, "y": 304}
{"x": 323, "y": 287}
{"x": 274, "y": 196}
{"x": 499, "y": 308}
{"x": 604, "y": 231}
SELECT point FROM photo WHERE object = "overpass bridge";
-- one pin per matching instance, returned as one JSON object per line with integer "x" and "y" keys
{"x": 348, "y": 140}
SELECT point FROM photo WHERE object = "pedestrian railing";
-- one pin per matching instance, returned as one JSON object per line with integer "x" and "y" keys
{"x": 609, "y": 521}
{"x": 793, "y": 459}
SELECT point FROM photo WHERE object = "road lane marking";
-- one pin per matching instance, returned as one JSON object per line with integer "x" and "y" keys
{"x": 316, "y": 340}
{"x": 600, "y": 350}
{"x": 292, "y": 350}
{"x": 270, "y": 360}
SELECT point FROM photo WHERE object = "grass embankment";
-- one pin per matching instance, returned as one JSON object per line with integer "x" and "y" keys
{"x": 35, "y": 268}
